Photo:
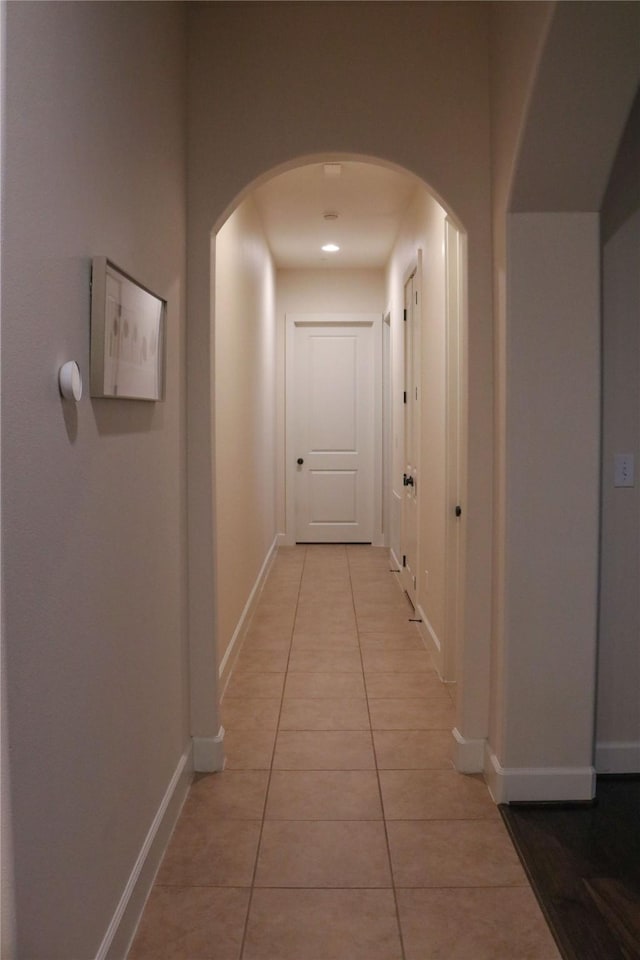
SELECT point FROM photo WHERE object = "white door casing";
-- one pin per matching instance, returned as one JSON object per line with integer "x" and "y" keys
{"x": 455, "y": 449}
{"x": 411, "y": 402}
{"x": 334, "y": 408}
{"x": 387, "y": 431}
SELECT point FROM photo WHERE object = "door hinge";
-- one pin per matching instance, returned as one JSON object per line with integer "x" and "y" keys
{"x": 404, "y": 397}
{"x": 414, "y": 583}
{"x": 416, "y": 296}
{"x": 405, "y": 316}
{"x": 404, "y": 560}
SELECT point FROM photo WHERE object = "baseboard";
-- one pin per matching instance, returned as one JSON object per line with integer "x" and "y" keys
{"x": 538, "y": 784}
{"x": 285, "y": 540}
{"x": 396, "y": 564}
{"x": 395, "y": 527}
{"x": 468, "y": 755}
{"x": 208, "y": 753}
{"x": 430, "y": 639}
{"x": 232, "y": 650}
{"x": 618, "y": 756}
{"x": 120, "y": 932}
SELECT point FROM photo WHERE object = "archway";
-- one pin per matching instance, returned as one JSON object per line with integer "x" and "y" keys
{"x": 245, "y": 283}
{"x": 321, "y": 100}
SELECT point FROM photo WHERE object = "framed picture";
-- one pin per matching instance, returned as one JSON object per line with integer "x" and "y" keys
{"x": 127, "y": 336}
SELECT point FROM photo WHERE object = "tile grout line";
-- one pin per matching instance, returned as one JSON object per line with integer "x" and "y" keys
{"x": 356, "y": 582}
{"x": 377, "y": 771}
{"x": 270, "y": 771}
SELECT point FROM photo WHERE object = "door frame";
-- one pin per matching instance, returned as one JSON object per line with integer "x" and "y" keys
{"x": 387, "y": 430}
{"x": 414, "y": 270}
{"x": 456, "y": 445}
{"x": 326, "y": 319}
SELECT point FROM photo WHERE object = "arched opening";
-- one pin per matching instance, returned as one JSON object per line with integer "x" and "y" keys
{"x": 267, "y": 266}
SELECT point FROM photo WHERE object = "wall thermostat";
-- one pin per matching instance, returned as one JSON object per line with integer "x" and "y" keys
{"x": 70, "y": 380}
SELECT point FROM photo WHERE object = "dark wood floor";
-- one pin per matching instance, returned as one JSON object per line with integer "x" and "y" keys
{"x": 584, "y": 865}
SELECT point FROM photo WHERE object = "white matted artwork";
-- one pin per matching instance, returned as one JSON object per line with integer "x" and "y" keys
{"x": 127, "y": 336}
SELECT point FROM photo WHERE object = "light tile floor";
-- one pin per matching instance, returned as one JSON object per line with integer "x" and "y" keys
{"x": 339, "y": 829}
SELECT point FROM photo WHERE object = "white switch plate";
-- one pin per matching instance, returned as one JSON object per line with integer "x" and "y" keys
{"x": 623, "y": 470}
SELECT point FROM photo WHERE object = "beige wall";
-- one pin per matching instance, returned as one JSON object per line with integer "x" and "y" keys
{"x": 518, "y": 32}
{"x": 7, "y": 893}
{"x": 552, "y": 484}
{"x": 316, "y": 291}
{"x": 94, "y": 495}
{"x": 329, "y": 291}
{"x": 245, "y": 386}
{"x": 618, "y": 716}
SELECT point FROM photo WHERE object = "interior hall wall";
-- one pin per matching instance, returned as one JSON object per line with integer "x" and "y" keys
{"x": 316, "y": 291}
{"x": 7, "y": 892}
{"x": 517, "y": 37}
{"x": 618, "y": 716}
{"x": 552, "y": 516}
{"x": 245, "y": 385}
{"x": 94, "y": 509}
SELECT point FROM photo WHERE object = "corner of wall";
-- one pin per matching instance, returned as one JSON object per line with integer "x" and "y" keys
{"x": 208, "y": 753}
{"x": 468, "y": 755}
{"x": 537, "y": 784}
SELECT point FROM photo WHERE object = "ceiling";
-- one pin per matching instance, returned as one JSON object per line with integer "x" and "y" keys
{"x": 370, "y": 201}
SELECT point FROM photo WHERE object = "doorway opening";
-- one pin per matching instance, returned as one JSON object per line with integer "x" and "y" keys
{"x": 333, "y": 428}
{"x": 313, "y": 363}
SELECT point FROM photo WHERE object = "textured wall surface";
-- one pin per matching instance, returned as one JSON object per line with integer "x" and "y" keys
{"x": 94, "y": 494}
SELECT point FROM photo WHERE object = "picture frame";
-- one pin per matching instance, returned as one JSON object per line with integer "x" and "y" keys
{"x": 127, "y": 336}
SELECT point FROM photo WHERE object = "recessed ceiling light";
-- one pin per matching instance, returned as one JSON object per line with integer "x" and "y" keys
{"x": 330, "y": 215}
{"x": 330, "y": 247}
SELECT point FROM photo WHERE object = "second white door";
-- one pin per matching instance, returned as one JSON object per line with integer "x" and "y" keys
{"x": 332, "y": 420}
{"x": 409, "y": 543}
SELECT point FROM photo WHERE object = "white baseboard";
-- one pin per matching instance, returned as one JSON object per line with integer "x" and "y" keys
{"x": 538, "y": 784}
{"x": 245, "y": 617}
{"x": 395, "y": 527}
{"x": 431, "y": 640}
{"x": 468, "y": 755}
{"x": 285, "y": 540}
{"x": 120, "y": 932}
{"x": 395, "y": 563}
{"x": 618, "y": 756}
{"x": 208, "y": 753}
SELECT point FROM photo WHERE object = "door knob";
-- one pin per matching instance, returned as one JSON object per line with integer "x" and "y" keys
{"x": 407, "y": 480}
{"x": 300, "y": 461}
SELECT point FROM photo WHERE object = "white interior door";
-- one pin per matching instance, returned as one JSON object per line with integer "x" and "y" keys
{"x": 409, "y": 546}
{"x": 333, "y": 409}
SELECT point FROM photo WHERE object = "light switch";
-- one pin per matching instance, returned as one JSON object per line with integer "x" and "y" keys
{"x": 623, "y": 470}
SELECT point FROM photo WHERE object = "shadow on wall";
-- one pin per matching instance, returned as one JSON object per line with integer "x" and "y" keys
{"x": 118, "y": 417}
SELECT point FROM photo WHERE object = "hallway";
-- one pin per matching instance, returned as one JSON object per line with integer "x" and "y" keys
{"x": 339, "y": 829}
